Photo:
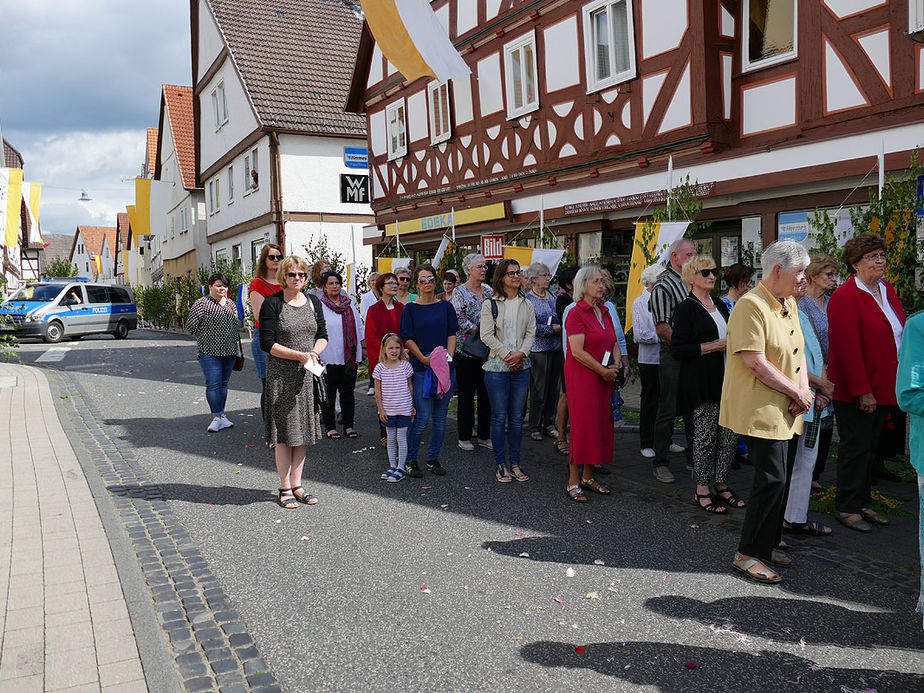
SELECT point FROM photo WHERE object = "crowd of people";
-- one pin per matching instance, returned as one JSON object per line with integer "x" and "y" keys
{"x": 760, "y": 376}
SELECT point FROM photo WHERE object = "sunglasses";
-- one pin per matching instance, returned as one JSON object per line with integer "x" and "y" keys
{"x": 297, "y": 275}
{"x": 426, "y": 280}
{"x": 404, "y": 279}
{"x": 712, "y": 270}
{"x": 274, "y": 257}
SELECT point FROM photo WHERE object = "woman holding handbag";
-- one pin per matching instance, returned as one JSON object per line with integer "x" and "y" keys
{"x": 293, "y": 332}
{"x": 471, "y": 354}
{"x": 214, "y": 323}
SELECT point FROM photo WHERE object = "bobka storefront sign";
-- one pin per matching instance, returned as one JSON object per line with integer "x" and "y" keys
{"x": 492, "y": 212}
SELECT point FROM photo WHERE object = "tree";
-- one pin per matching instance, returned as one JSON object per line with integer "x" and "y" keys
{"x": 59, "y": 267}
{"x": 683, "y": 204}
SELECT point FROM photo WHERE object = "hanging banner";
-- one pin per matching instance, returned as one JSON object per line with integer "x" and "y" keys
{"x": 132, "y": 225}
{"x": 32, "y": 196}
{"x": 438, "y": 258}
{"x": 664, "y": 233}
{"x": 527, "y": 256}
{"x": 10, "y": 206}
{"x": 350, "y": 279}
{"x": 392, "y": 264}
{"x": 150, "y": 206}
{"x": 412, "y": 39}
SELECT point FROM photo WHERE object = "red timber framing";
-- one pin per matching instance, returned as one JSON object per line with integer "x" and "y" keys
{"x": 575, "y": 138}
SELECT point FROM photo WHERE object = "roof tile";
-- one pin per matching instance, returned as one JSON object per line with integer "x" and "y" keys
{"x": 179, "y": 104}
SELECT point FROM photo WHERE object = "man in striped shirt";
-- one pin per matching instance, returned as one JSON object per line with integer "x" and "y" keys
{"x": 666, "y": 295}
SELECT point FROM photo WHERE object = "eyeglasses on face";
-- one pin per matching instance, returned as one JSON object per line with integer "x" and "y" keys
{"x": 875, "y": 257}
{"x": 390, "y": 283}
{"x": 274, "y": 257}
{"x": 709, "y": 271}
{"x": 514, "y": 273}
{"x": 481, "y": 267}
{"x": 426, "y": 280}
{"x": 296, "y": 275}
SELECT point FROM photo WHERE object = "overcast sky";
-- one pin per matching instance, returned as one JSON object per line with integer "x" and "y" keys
{"x": 79, "y": 84}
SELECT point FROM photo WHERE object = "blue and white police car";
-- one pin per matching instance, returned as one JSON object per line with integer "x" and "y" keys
{"x": 59, "y": 307}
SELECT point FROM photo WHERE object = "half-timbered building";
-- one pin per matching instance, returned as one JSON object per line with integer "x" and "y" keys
{"x": 576, "y": 109}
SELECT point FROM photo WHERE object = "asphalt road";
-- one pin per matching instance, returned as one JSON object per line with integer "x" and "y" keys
{"x": 525, "y": 591}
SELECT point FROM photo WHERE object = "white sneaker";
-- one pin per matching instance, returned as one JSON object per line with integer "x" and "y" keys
{"x": 370, "y": 391}
{"x": 215, "y": 425}
{"x": 677, "y": 448}
{"x": 466, "y": 445}
{"x": 225, "y": 421}
{"x": 485, "y": 443}
{"x": 648, "y": 452}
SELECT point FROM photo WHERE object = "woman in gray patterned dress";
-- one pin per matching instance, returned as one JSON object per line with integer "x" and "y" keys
{"x": 292, "y": 333}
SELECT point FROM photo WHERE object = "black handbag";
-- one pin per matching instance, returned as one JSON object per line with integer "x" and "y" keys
{"x": 473, "y": 347}
{"x": 320, "y": 390}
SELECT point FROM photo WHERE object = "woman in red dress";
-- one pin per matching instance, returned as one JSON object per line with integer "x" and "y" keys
{"x": 383, "y": 318}
{"x": 589, "y": 383}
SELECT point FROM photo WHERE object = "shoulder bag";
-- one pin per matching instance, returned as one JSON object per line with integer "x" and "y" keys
{"x": 319, "y": 384}
{"x": 473, "y": 347}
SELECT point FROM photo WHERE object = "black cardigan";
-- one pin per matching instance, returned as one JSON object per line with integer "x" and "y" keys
{"x": 701, "y": 374}
{"x": 269, "y": 316}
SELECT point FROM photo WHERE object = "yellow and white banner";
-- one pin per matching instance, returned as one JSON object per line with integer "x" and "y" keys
{"x": 132, "y": 226}
{"x": 663, "y": 234}
{"x": 527, "y": 256}
{"x": 124, "y": 261}
{"x": 10, "y": 205}
{"x": 392, "y": 264}
{"x": 32, "y": 196}
{"x": 98, "y": 266}
{"x": 350, "y": 280}
{"x": 411, "y": 37}
{"x": 150, "y": 206}
{"x": 444, "y": 246}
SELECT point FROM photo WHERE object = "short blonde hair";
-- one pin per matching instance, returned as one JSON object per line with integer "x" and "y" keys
{"x": 287, "y": 264}
{"x": 694, "y": 265}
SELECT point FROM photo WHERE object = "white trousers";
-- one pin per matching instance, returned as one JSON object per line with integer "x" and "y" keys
{"x": 800, "y": 486}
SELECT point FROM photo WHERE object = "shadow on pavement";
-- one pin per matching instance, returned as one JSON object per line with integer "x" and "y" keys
{"x": 193, "y": 493}
{"x": 683, "y": 668}
{"x": 795, "y": 620}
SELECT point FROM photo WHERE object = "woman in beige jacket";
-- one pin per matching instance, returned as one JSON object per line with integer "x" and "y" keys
{"x": 508, "y": 329}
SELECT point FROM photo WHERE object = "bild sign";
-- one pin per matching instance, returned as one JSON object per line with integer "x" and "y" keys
{"x": 354, "y": 188}
{"x": 492, "y": 247}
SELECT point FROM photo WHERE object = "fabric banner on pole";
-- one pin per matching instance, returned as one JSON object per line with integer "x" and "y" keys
{"x": 150, "y": 206}
{"x": 411, "y": 37}
{"x": 350, "y": 280}
{"x": 392, "y": 264}
{"x": 132, "y": 223}
{"x": 125, "y": 276}
{"x": 444, "y": 244}
{"x": 527, "y": 256}
{"x": 32, "y": 196}
{"x": 10, "y": 205}
{"x": 663, "y": 234}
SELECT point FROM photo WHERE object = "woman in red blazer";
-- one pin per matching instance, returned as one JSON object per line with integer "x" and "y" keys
{"x": 865, "y": 323}
{"x": 382, "y": 318}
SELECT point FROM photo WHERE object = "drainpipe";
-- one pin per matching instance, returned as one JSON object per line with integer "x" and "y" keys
{"x": 276, "y": 191}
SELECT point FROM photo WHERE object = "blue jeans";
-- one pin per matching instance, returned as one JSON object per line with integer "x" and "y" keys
{"x": 507, "y": 392}
{"x": 428, "y": 407}
{"x": 217, "y": 372}
{"x": 259, "y": 356}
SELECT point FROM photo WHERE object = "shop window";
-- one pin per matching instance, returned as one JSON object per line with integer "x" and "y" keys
{"x": 520, "y": 76}
{"x": 609, "y": 43}
{"x": 771, "y": 32}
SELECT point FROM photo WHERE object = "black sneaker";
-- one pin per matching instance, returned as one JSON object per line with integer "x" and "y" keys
{"x": 434, "y": 467}
{"x": 413, "y": 470}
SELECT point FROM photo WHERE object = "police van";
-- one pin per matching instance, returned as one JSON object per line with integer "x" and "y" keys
{"x": 59, "y": 307}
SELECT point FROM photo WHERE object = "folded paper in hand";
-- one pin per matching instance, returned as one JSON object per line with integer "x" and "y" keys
{"x": 314, "y": 367}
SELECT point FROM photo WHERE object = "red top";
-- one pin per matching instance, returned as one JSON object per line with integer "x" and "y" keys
{"x": 862, "y": 356}
{"x": 379, "y": 322}
{"x": 264, "y": 288}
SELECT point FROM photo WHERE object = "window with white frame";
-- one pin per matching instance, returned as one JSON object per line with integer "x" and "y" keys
{"x": 221, "y": 256}
{"x": 440, "y": 126}
{"x": 219, "y": 105}
{"x": 214, "y": 195}
{"x": 396, "y": 124}
{"x": 251, "y": 172}
{"x": 173, "y": 225}
{"x": 520, "y": 78}
{"x": 236, "y": 253}
{"x": 609, "y": 43}
{"x": 230, "y": 184}
{"x": 770, "y": 32}
{"x": 915, "y": 16}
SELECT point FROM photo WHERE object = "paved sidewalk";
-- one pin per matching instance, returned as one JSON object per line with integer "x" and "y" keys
{"x": 63, "y": 614}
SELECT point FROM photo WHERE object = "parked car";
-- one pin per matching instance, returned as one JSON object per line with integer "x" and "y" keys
{"x": 59, "y": 307}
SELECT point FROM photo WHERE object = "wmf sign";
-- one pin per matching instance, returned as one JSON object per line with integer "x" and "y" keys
{"x": 354, "y": 188}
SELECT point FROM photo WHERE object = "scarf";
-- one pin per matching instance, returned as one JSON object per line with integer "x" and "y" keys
{"x": 348, "y": 323}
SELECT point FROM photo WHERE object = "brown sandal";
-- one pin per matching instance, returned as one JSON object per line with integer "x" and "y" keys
{"x": 576, "y": 494}
{"x": 561, "y": 447}
{"x": 595, "y": 486}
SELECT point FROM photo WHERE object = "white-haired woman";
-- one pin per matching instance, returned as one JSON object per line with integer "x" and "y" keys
{"x": 591, "y": 342}
{"x": 467, "y": 300}
{"x": 546, "y": 355}
{"x": 649, "y": 356}
{"x": 764, "y": 394}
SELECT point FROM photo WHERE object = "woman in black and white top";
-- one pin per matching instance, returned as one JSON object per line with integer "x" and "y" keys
{"x": 214, "y": 323}
{"x": 345, "y": 334}
{"x": 698, "y": 342}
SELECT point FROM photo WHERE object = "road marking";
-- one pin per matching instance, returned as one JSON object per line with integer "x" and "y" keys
{"x": 54, "y": 354}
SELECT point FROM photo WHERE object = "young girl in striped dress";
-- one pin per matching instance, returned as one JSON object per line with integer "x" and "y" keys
{"x": 395, "y": 401}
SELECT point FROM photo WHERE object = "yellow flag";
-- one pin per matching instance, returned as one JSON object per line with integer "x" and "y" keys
{"x": 663, "y": 234}
{"x": 132, "y": 223}
{"x": 10, "y": 205}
